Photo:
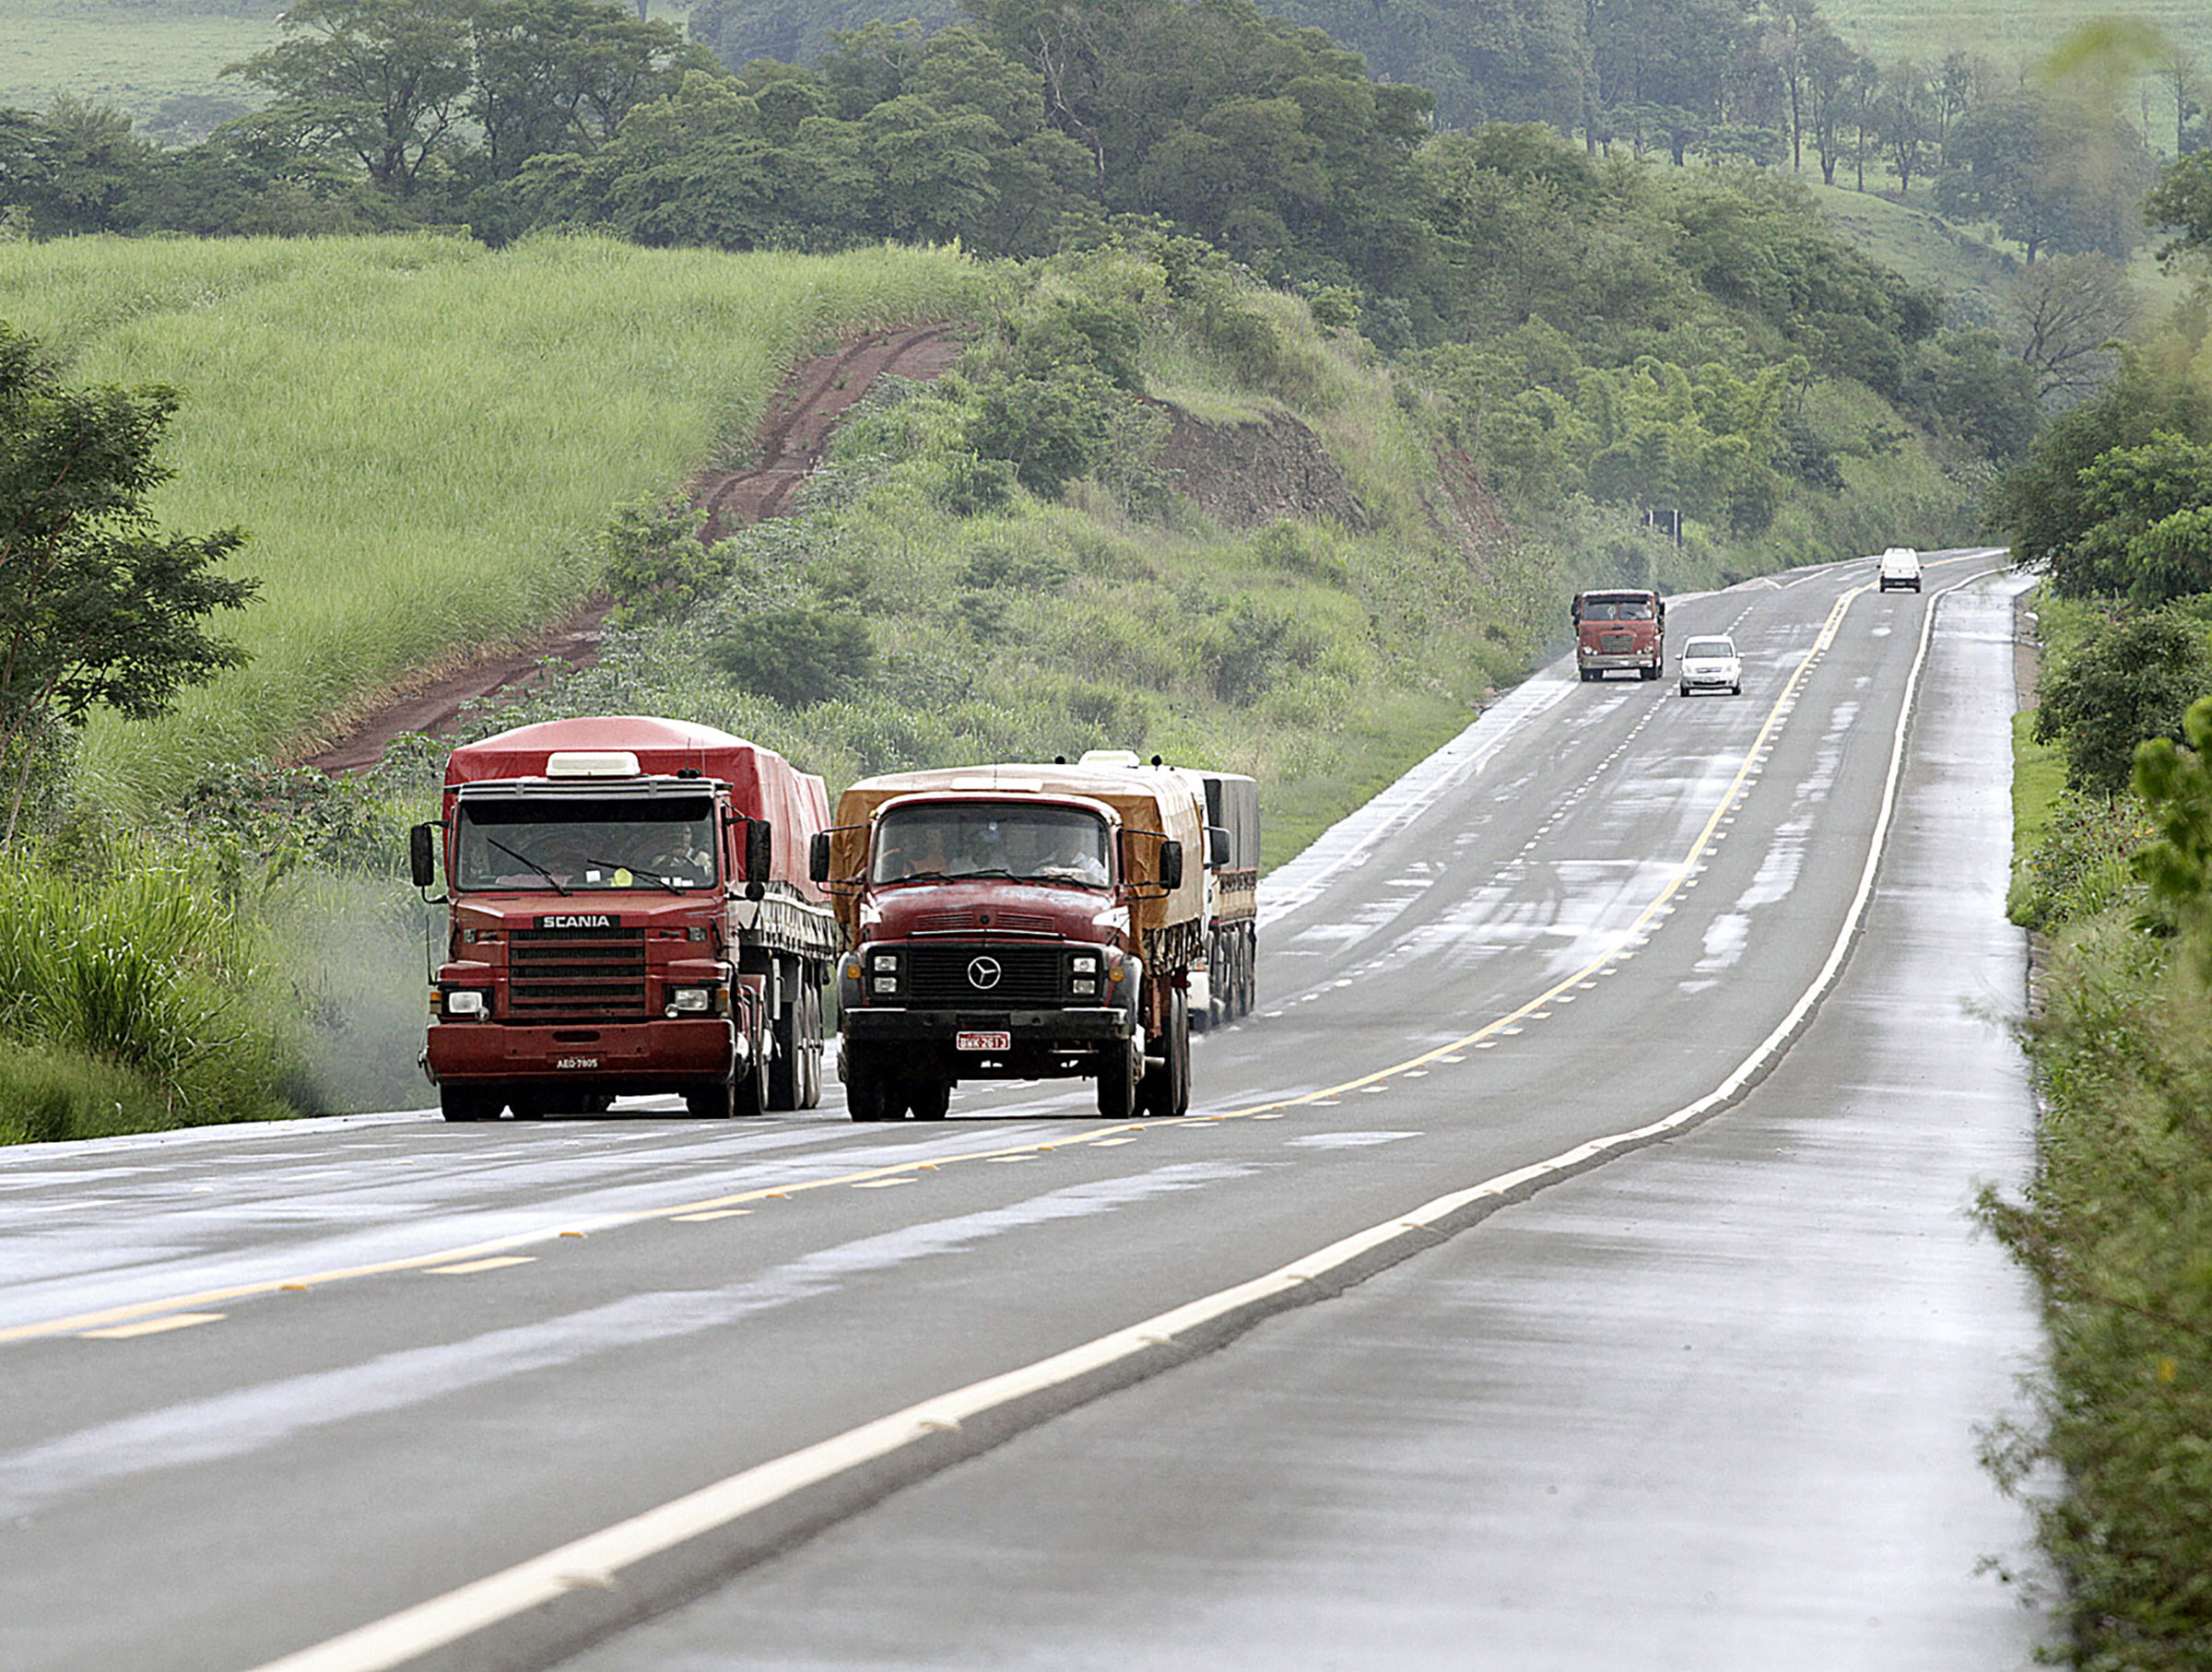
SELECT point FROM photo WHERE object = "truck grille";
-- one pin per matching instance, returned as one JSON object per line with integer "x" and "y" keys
{"x": 1026, "y": 975}
{"x": 576, "y": 974}
{"x": 1613, "y": 644}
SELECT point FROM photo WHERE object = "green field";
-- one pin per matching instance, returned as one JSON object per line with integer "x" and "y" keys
{"x": 422, "y": 437}
{"x": 2010, "y": 32}
{"x": 132, "y": 57}
{"x": 136, "y": 58}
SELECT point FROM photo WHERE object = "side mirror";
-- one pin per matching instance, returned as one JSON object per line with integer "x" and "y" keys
{"x": 759, "y": 855}
{"x": 422, "y": 855}
{"x": 818, "y": 857}
{"x": 1170, "y": 865}
{"x": 1216, "y": 847}
{"x": 1574, "y": 610}
{"x": 1663, "y": 609}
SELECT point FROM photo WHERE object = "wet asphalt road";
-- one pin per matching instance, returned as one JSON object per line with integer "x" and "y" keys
{"x": 1707, "y": 1401}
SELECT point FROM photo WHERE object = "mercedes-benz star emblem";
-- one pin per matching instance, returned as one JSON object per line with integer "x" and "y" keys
{"x": 983, "y": 974}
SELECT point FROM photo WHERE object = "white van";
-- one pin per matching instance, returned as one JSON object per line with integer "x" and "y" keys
{"x": 1900, "y": 568}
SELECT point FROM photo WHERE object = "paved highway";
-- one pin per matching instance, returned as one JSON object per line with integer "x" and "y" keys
{"x": 1659, "y": 1339}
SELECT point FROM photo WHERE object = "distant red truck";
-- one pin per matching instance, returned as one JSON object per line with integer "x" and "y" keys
{"x": 1620, "y": 628}
{"x": 630, "y": 912}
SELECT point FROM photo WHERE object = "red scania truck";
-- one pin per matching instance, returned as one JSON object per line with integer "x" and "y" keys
{"x": 630, "y": 914}
{"x": 1620, "y": 628}
{"x": 1017, "y": 922}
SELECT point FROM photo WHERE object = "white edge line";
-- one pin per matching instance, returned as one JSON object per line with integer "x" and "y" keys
{"x": 594, "y": 1560}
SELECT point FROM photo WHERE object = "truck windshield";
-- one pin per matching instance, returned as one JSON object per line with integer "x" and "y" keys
{"x": 944, "y": 841}
{"x": 584, "y": 845}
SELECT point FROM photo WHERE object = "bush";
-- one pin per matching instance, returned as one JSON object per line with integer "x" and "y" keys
{"x": 146, "y": 972}
{"x": 799, "y": 655}
{"x": 2129, "y": 683}
{"x": 2083, "y": 864}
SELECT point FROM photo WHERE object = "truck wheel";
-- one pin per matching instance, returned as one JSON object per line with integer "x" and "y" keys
{"x": 786, "y": 1074}
{"x": 867, "y": 1093}
{"x": 928, "y": 1099}
{"x": 714, "y": 1101}
{"x": 469, "y": 1103}
{"x": 1166, "y": 1091}
{"x": 810, "y": 1053}
{"x": 748, "y": 1097}
{"x": 1117, "y": 1083}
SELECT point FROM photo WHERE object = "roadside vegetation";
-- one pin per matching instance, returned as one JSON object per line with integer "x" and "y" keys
{"x": 2114, "y": 805}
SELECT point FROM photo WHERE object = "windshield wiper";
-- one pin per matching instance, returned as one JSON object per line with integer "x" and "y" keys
{"x": 637, "y": 871}
{"x": 493, "y": 842}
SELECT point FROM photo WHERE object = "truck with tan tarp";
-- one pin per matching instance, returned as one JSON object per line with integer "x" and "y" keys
{"x": 1015, "y": 922}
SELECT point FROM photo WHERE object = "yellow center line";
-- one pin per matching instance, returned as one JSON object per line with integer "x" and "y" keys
{"x": 1506, "y": 1026}
{"x": 156, "y": 1326}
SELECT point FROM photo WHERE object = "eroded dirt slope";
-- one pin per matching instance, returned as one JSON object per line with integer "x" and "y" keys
{"x": 800, "y": 419}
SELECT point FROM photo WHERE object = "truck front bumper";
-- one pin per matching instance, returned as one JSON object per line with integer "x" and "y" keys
{"x": 629, "y": 1057}
{"x": 1042, "y": 1045}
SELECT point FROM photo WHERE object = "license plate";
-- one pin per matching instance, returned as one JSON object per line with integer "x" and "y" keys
{"x": 982, "y": 1042}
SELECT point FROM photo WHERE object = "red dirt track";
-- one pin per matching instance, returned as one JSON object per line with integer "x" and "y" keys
{"x": 801, "y": 416}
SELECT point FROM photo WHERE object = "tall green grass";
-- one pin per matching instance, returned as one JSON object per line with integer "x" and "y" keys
{"x": 134, "y": 988}
{"x": 423, "y": 437}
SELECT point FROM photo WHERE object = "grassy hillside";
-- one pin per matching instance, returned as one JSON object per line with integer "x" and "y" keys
{"x": 1928, "y": 250}
{"x": 2011, "y": 33}
{"x": 423, "y": 439}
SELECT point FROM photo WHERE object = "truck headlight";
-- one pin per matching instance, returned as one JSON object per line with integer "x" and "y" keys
{"x": 690, "y": 1001}
{"x": 467, "y": 1001}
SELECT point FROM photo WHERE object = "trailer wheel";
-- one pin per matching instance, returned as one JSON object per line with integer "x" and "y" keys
{"x": 469, "y": 1103}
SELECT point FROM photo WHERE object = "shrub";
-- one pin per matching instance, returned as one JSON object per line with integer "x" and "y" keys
{"x": 798, "y": 654}
{"x": 2129, "y": 683}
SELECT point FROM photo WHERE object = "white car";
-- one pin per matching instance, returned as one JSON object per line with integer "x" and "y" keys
{"x": 1900, "y": 568}
{"x": 1711, "y": 664}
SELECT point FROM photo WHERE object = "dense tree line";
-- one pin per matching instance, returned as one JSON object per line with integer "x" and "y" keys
{"x": 1635, "y": 335}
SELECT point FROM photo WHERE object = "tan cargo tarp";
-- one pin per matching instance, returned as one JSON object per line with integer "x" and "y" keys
{"x": 1144, "y": 798}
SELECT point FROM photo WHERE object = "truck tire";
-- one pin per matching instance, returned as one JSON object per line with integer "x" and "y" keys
{"x": 867, "y": 1091}
{"x": 1117, "y": 1083}
{"x": 1166, "y": 1091}
{"x": 711, "y": 1100}
{"x": 810, "y": 1053}
{"x": 928, "y": 1099}
{"x": 786, "y": 1073}
{"x": 470, "y": 1103}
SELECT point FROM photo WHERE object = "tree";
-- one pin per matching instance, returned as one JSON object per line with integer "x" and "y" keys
{"x": 1836, "y": 80}
{"x": 1905, "y": 115}
{"x": 2132, "y": 682}
{"x": 2154, "y": 509}
{"x": 2064, "y": 315}
{"x": 383, "y": 80}
{"x": 561, "y": 74}
{"x": 2176, "y": 785}
{"x": 2054, "y": 180}
{"x": 2182, "y": 201}
{"x": 98, "y": 607}
{"x": 2042, "y": 507}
